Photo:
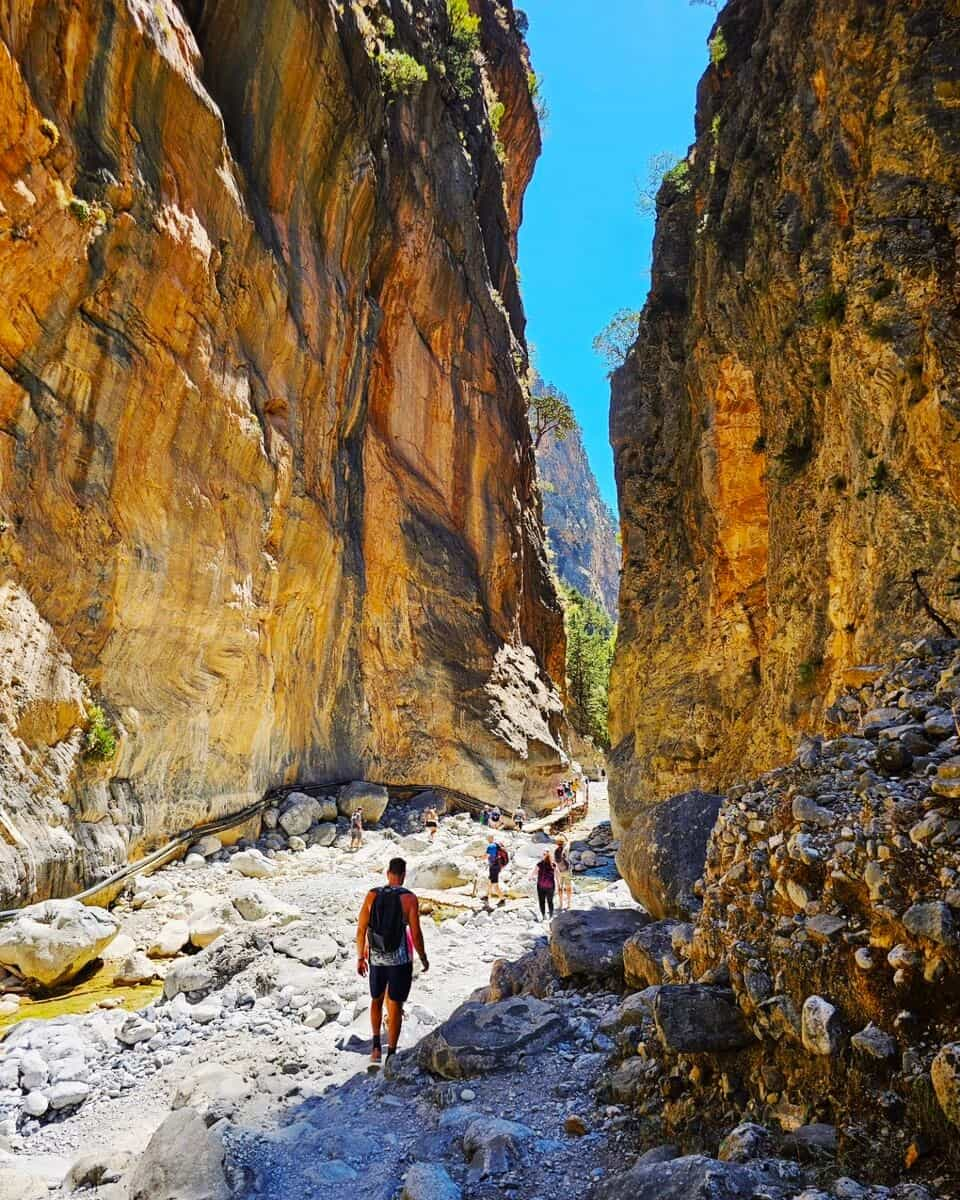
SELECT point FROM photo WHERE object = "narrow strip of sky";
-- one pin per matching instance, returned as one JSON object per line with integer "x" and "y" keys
{"x": 619, "y": 77}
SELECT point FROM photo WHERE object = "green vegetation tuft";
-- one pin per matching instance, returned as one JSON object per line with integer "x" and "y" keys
{"x": 715, "y": 126}
{"x": 807, "y": 671}
{"x": 401, "y": 73}
{"x": 718, "y": 48}
{"x": 829, "y": 306}
{"x": 591, "y": 636}
{"x": 497, "y": 110}
{"x": 880, "y": 331}
{"x": 796, "y": 453}
{"x": 679, "y": 176}
{"x": 101, "y": 742}
{"x": 535, "y": 88}
{"x": 759, "y": 445}
{"x": 460, "y": 53}
{"x": 883, "y": 289}
{"x": 880, "y": 478}
{"x": 80, "y": 209}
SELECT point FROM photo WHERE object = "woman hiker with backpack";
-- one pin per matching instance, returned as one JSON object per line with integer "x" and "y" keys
{"x": 546, "y": 883}
{"x": 388, "y": 932}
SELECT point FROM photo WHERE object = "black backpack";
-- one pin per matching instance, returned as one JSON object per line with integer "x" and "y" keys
{"x": 387, "y": 924}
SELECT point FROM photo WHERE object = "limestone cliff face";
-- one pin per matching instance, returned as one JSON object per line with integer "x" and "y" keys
{"x": 266, "y": 486}
{"x": 786, "y": 425}
{"x": 581, "y": 530}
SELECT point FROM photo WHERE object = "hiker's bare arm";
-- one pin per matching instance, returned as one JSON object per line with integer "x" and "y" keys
{"x": 412, "y": 906}
{"x": 362, "y": 923}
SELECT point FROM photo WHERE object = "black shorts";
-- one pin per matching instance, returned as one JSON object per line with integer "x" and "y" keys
{"x": 395, "y": 981}
{"x": 494, "y": 872}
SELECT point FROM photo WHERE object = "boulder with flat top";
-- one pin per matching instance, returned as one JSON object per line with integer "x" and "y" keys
{"x": 478, "y": 1038}
{"x": 589, "y": 944}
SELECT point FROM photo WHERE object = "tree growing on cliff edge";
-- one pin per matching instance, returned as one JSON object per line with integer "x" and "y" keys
{"x": 591, "y": 635}
{"x": 614, "y": 340}
{"x": 549, "y": 411}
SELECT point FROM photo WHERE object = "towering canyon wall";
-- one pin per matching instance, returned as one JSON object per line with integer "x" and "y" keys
{"x": 786, "y": 426}
{"x": 581, "y": 529}
{"x": 266, "y": 485}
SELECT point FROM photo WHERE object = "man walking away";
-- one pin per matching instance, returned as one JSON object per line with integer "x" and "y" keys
{"x": 519, "y": 816}
{"x": 388, "y": 932}
{"x": 356, "y": 830}
{"x": 497, "y": 859}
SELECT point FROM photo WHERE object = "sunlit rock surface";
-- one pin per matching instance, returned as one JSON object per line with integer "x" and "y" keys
{"x": 785, "y": 427}
{"x": 266, "y": 486}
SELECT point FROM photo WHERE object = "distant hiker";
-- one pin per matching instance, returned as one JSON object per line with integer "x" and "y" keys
{"x": 564, "y": 873}
{"x": 519, "y": 816}
{"x": 356, "y": 830}
{"x": 494, "y": 818}
{"x": 546, "y": 883}
{"x": 388, "y": 932}
{"x": 497, "y": 859}
{"x": 561, "y": 792}
{"x": 483, "y": 816}
{"x": 430, "y": 822}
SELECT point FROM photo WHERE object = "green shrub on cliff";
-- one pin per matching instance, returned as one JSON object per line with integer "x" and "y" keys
{"x": 829, "y": 306}
{"x": 614, "y": 340}
{"x": 460, "y": 53}
{"x": 591, "y": 635}
{"x": 718, "y": 48}
{"x": 549, "y": 411}
{"x": 402, "y": 74}
{"x": 101, "y": 741}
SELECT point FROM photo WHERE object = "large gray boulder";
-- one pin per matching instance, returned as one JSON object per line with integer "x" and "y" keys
{"x": 662, "y": 854}
{"x": 371, "y": 798}
{"x": 211, "y": 969}
{"x": 184, "y": 1160}
{"x": 696, "y": 1177}
{"x": 477, "y": 1038}
{"x": 49, "y": 943}
{"x": 429, "y": 1181}
{"x": 691, "y": 1019}
{"x": 589, "y": 944}
{"x": 297, "y": 813}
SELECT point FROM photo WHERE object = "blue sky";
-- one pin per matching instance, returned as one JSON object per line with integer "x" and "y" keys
{"x": 620, "y": 79}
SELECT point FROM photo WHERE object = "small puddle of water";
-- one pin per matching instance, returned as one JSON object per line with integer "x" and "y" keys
{"x": 82, "y": 997}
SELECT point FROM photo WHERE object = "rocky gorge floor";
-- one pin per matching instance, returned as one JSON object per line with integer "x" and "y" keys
{"x": 536, "y": 1060}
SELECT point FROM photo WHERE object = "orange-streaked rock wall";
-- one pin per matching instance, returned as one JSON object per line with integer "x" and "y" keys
{"x": 787, "y": 427}
{"x": 266, "y": 486}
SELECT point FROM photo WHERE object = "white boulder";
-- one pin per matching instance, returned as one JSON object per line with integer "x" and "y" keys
{"x": 51, "y": 942}
{"x": 170, "y": 940}
{"x": 253, "y": 864}
{"x": 135, "y": 968}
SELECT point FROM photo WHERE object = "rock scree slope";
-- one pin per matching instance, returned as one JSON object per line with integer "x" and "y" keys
{"x": 266, "y": 485}
{"x": 785, "y": 426}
